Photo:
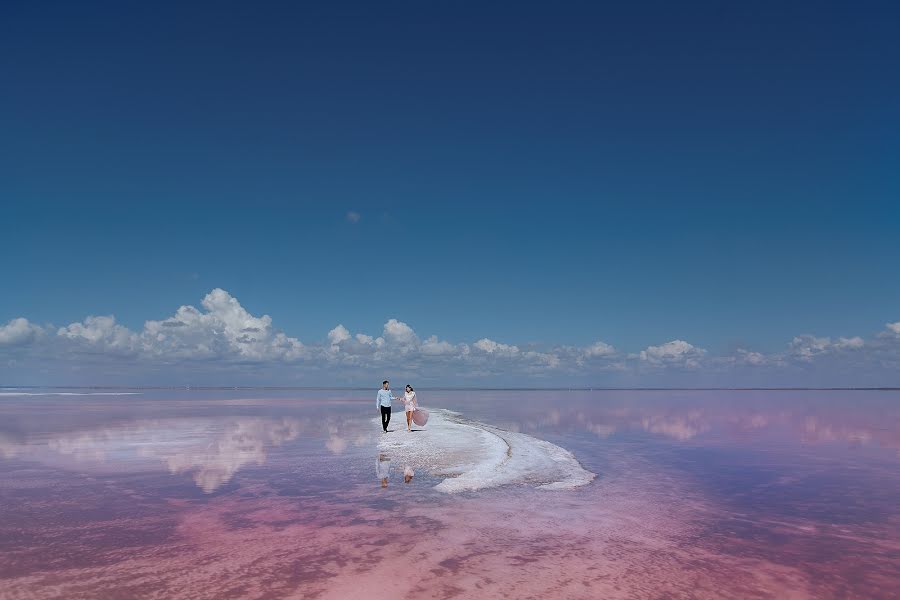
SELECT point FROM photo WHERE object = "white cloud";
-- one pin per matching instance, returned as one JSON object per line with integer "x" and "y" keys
{"x": 223, "y": 332}
{"x": 358, "y": 349}
{"x": 397, "y": 339}
{"x": 102, "y": 333}
{"x": 599, "y": 356}
{"x": 498, "y": 357}
{"x": 807, "y": 347}
{"x": 400, "y": 347}
{"x": 18, "y": 331}
{"x": 353, "y": 216}
{"x": 368, "y": 340}
{"x": 747, "y": 357}
{"x": 674, "y": 353}
{"x": 854, "y": 342}
{"x": 542, "y": 359}
{"x": 400, "y": 334}
{"x": 338, "y": 334}
{"x": 434, "y": 347}
{"x": 496, "y": 348}
{"x": 599, "y": 349}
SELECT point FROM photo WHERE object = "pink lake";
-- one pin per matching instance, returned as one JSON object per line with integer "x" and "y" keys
{"x": 274, "y": 494}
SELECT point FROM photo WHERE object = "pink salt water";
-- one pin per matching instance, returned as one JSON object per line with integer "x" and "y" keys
{"x": 227, "y": 494}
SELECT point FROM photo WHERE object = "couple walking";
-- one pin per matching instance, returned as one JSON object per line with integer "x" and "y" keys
{"x": 410, "y": 404}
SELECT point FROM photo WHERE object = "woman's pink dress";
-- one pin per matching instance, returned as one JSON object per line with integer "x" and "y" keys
{"x": 420, "y": 416}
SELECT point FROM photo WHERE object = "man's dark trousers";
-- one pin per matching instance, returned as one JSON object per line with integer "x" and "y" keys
{"x": 385, "y": 416}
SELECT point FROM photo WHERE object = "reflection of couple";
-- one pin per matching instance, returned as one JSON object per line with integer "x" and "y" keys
{"x": 383, "y": 402}
{"x": 383, "y": 470}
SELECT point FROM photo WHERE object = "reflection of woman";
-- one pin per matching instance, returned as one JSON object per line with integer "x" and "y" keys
{"x": 410, "y": 403}
{"x": 383, "y": 468}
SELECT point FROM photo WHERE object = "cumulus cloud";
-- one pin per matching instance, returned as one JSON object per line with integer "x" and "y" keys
{"x": 101, "y": 333}
{"x": 337, "y": 335}
{"x": 353, "y": 216}
{"x": 400, "y": 346}
{"x": 18, "y": 331}
{"x": 496, "y": 356}
{"x": 222, "y": 332}
{"x": 674, "y": 353}
{"x": 747, "y": 357}
{"x": 598, "y": 356}
{"x": 492, "y": 347}
{"x": 599, "y": 349}
{"x": 400, "y": 334}
{"x": 435, "y": 347}
{"x": 854, "y": 342}
{"x": 227, "y": 325}
{"x": 540, "y": 360}
{"x": 368, "y": 340}
{"x": 807, "y": 347}
{"x": 225, "y": 330}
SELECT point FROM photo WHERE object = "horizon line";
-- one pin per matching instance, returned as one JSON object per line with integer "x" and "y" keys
{"x": 451, "y": 388}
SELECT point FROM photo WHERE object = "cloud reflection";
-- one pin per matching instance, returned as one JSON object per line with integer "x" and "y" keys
{"x": 679, "y": 428}
{"x": 241, "y": 442}
{"x": 8, "y": 446}
{"x": 341, "y": 435}
{"x": 211, "y": 450}
{"x": 816, "y": 420}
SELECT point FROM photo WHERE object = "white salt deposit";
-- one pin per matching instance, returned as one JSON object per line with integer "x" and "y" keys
{"x": 471, "y": 455}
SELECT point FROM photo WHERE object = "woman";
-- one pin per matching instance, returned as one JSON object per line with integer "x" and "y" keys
{"x": 410, "y": 403}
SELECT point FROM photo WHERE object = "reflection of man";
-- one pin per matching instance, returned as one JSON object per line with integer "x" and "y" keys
{"x": 383, "y": 468}
{"x": 383, "y": 402}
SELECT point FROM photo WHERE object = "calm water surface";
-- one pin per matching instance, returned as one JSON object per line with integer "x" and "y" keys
{"x": 250, "y": 494}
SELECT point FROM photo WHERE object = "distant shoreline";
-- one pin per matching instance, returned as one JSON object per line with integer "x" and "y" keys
{"x": 201, "y": 388}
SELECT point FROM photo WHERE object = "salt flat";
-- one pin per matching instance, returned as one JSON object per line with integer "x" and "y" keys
{"x": 471, "y": 455}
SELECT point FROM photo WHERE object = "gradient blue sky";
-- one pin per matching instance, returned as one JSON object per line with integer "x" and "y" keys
{"x": 537, "y": 174}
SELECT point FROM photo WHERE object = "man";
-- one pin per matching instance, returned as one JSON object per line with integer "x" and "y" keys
{"x": 383, "y": 468}
{"x": 383, "y": 402}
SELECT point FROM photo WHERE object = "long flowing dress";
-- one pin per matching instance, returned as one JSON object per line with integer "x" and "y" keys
{"x": 420, "y": 415}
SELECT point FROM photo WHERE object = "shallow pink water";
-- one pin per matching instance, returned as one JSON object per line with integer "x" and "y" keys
{"x": 274, "y": 495}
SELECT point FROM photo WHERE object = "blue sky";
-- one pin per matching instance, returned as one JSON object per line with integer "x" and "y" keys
{"x": 542, "y": 177}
